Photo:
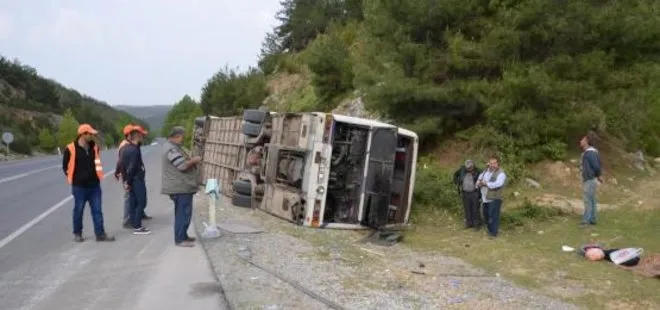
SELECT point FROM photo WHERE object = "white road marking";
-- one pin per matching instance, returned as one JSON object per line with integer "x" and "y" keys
{"x": 38, "y": 219}
{"x": 22, "y": 175}
{"x": 11, "y": 164}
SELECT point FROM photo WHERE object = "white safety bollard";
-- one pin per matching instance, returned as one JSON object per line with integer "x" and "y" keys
{"x": 212, "y": 190}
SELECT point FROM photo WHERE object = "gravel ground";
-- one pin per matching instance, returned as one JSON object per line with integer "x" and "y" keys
{"x": 346, "y": 273}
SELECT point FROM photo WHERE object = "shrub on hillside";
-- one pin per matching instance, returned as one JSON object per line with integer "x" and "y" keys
{"x": 330, "y": 63}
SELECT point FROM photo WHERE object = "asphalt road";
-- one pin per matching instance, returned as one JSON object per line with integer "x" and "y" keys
{"x": 42, "y": 268}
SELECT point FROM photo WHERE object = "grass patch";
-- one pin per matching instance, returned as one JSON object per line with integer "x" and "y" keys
{"x": 533, "y": 257}
{"x": 528, "y": 250}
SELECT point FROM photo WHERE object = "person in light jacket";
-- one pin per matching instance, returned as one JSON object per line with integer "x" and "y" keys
{"x": 492, "y": 182}
{"x": 180, "y": 181}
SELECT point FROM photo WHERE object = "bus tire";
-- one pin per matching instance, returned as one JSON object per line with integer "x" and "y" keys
{"x": 241, "y": 200}
{"x": 243, "y": 187}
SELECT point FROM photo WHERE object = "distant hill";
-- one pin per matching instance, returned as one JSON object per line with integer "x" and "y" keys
{"x": 32, "y": 107}
{"x": 154, "y": 115}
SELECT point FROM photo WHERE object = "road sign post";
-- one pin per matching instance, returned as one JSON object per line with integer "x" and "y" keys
{"x": 7, "y": 138}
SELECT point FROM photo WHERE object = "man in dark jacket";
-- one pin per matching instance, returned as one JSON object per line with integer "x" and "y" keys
{"x": 126, "y": 221}
{"x": 465, "y": 179}
{"x": 133, "y": 175}
{"x": 591, "y": 176}
{"x": 82, "y": 167}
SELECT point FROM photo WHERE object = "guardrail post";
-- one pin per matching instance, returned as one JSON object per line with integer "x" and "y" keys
{"x": 212, "y": 190}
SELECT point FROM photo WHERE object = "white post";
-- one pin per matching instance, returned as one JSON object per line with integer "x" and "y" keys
{"x": 212, "y": 200}
{"x": 59, "y": 152}
{"x": 212, "y": 190}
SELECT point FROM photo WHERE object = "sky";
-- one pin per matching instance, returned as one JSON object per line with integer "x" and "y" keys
{"x": 140, "y": 52}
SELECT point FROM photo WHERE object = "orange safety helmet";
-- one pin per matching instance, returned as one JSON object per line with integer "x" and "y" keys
{"x": 127, "y": 129}
{"x": 86, "y": 128}
{"x": 139, "y": 129}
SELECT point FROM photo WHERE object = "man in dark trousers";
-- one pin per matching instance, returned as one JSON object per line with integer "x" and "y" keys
{"x": 126, "y": 221}
{"x": 133, "y": 175}
{"x": 491, "y": 184}
{"x": 180, "y": 180}
{"x": 83, "y": 170}
{"x": 465, "y": 179}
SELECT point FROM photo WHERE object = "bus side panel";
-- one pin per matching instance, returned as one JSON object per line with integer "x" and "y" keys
{"x": 224, "y": 151}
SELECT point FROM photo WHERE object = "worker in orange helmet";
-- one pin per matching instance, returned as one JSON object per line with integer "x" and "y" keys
{"x": 133, "y": 177}
{"x": 126, "y": 221}
{"x": 82, "y": 167}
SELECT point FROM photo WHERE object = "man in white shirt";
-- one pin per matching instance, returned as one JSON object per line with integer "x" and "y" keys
{"x": 491, "y": 183}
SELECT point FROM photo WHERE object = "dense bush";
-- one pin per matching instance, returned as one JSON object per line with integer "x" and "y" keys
{"x": 533, "y": 75}
{"x": 435, "y": 192}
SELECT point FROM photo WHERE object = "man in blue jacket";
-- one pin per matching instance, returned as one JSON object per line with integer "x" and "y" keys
{"x": 591, "y": 176}
{"x": 133, "y": 175}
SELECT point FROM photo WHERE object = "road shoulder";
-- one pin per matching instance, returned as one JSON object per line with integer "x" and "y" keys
{"x": 342, "y": 271}
{"x": 187, "y": 280}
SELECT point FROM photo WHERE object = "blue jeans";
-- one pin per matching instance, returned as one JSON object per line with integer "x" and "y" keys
{"x": 183, "y": 204}
{"x": 138, "y": 199}
{"x": 589, "y": 189}
{"x": 127, "y": 207}
{"x": 492, "y": 211}
{"x": 82, "y": 195}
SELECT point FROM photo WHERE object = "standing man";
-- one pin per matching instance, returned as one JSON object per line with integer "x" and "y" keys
{"x": 591, "y": 176}
{"x": 126, "y": 221}
{"x": 133, "y": 174}
{"x": 180, "y": 180}
{"x": 465, "y": 179}
{"x": 492, "y": 182}
{"x": 83, "y": 170}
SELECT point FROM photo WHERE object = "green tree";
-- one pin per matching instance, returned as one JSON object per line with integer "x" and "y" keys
{"x": 109, "y": 140}
{"x": 229, "y": 92}
{"x": 183, "y": 113}
{"x": 47, "y": 140}
{"x": 30, "y": 96}
{"x": 68, "y": 129}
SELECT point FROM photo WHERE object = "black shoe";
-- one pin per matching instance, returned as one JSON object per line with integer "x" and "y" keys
{"x": 141, "y": 231}
{"x": 146, "y": 217}
{"x": 127, "y": 225}
{"x": 191, "y": 239}
{"x": 105, "y": 238}
{"x": 78, "y": 238}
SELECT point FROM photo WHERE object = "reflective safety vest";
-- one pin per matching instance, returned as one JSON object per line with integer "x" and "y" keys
{"x": 72, "y": 163}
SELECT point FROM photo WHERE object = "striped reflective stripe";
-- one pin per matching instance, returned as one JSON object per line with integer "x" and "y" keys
{"x": 97, "y": 161}
{"x": 99, "y": 169}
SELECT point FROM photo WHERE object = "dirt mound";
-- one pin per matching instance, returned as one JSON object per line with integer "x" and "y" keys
{"x": 453, "y": 153}
{"x": 567, "y": 204}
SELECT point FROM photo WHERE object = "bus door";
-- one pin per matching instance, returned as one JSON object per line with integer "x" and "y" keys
{"x": 380, "y": 170}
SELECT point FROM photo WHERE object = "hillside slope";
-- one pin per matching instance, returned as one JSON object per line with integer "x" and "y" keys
{"x": 32, "y": 107}
{"x": 154, "y": 115}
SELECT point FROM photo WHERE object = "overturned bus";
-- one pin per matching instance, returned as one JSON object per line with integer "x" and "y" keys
{"x": 314, "y": 169}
